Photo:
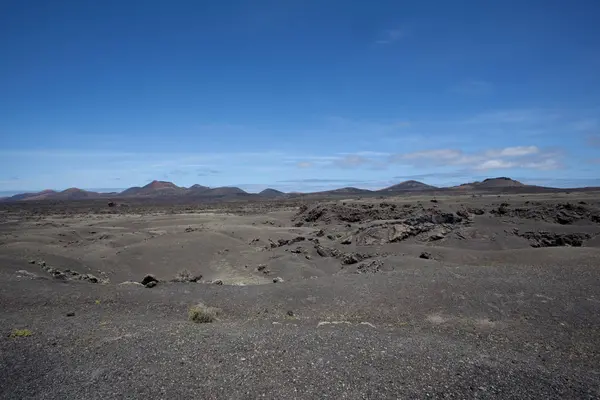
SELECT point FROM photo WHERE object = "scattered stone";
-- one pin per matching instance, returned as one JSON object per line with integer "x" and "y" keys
{"x": 261, "y": 267}
{"x": 308, "y": 257}
{"x": 436, "y": 236}
{"x": 550, "y": 239}
{"x": 296, "y": 240}
{"x": 297, "y": 250}
{"x": 353, "y": 258}
{"x": 111, "y": 204}
{"x": 217, "y": 282}
{"x": 425, "y": 255}
{"x": 370, "y": 267}
{"x": 89, "y": 277}
{"x": 151, "y": 284}
{"x": 60, "y": 276}
{"x": 26, "y": 274}
{"x": 326, "y": 251}
{"x": 433, "y": 200}
{"x": 42, "y": 263}
{"x": 31, "y": 261}
{"x": 148, "y": 278}
{"x": 277, "y": 280}
{"x": 290, "y": 313}
{"x": 131, "y": 283}
{"x": 346, "y": 241}
{"x": 320, "y": 233}
{"x": 463, "y": 214}
{"x": 400, "y": 232}
{"x": 476, "y": 211}
{"x": 70, "y": 314}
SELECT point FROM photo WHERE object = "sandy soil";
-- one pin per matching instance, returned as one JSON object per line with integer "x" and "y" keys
{"x": 403, "y": 297}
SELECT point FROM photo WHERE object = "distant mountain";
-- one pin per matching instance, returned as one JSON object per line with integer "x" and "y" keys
{"x": 407, "y": 186}
{"x": 74, "y": 194}
{"x": 68, "y": 194}
{"x": 132, "y": 191}
{"x": 224, "y": 191}
{"x": 500, "y": 182}
{"x": 154, "y": 188}
{"x": 346, "y": 191}
{"x": 168, "y": 190}
{"x": 160, "y": 185}
{"x": 271, "y": 193}
{"x": 198, "y": 188}
{"x": 491, "y": 183}
{"x": 31, "y": 196}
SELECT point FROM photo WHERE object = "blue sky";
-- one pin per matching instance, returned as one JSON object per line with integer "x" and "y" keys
{"x": 298, "y": 95}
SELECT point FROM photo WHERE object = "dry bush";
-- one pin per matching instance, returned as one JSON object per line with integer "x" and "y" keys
{"x": 201, "y": 313}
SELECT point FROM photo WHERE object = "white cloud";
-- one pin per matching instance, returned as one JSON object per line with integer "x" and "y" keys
{"x": 530, "y": 157}
{"x": 304, "y": 164}
{"x": 516, "y": 116}
{"x": 495, "y": 164}
{"x": 445, "y": 154}
{"x": 517, "y": 151}
{"x": 543, "y": 165}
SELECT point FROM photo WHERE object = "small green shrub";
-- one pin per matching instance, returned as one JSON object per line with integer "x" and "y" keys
{"x": 186, "y": 276}
{"x": 21, "y": 333}
{"x": 203, "y": 314}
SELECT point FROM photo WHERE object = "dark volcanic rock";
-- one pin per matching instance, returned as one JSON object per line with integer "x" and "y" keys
{"x": 550, "y": 239}
{"x": 148, "y": 278}
{"x": 425, "y": 255}
{"x": 89, "y": 277}
{"x": 353, "y": 258}
{"x": 326, "y": 251}
{"x": 562, "y": 213}
{"x": 347, "y": 241}
{"x": 370, "y": 267}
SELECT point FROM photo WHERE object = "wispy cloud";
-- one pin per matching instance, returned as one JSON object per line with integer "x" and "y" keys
{"x": 207, "y": 172}
{"x": 371, "y": 159}
{"x": 586, "y": 125}
{"x": 390, "y": 36}
{"x": 317, "y": 180}
{"x": 516, "y": 116}
{"x": 517, "y": 151}
{"x": 528, "y": 157}
{"x": 351, "y": 161}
